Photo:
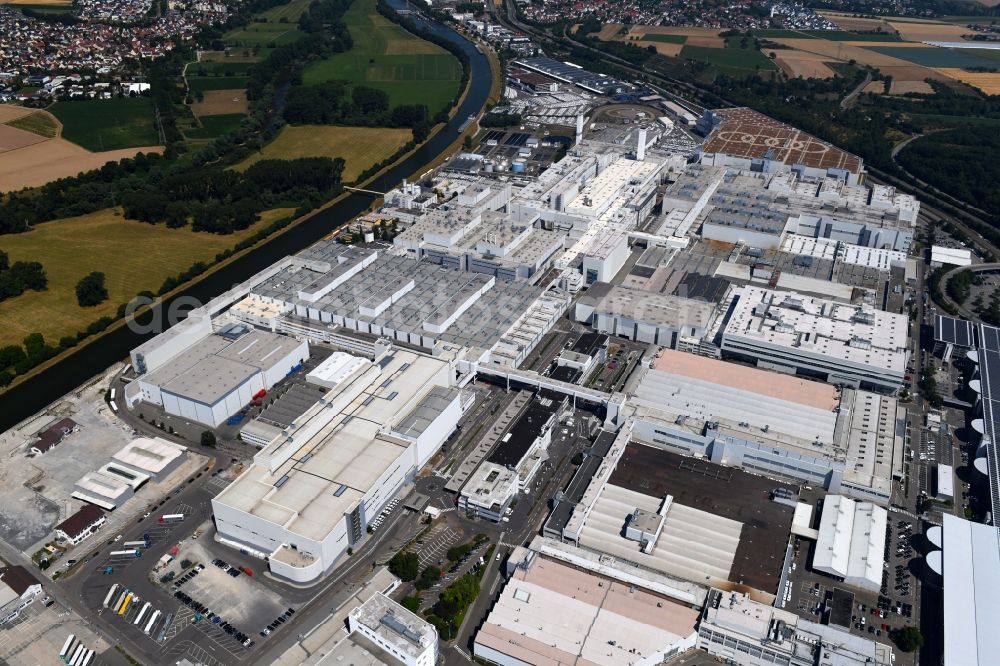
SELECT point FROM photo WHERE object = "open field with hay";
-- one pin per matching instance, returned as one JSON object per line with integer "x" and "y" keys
{"x": 134, "y": 256}
{"x": 41, "y": 123}
{"x": 800, "y": 64}
{"x": 49, "y": 159}
{"x": 987, "y": 82}
{"x": 219, "y": 102}
{"x": 361, "y": 147}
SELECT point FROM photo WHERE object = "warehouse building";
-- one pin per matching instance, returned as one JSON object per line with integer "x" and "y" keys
{"x": 553, "y": 613}
{"x": 969, "y": 563}
{"x": 108, "y": 491}
{"x": 814, "y": 337}
{"x": 692, "y": 520}
{"x": 843, "y": 439}
{"x": 738, "y": 630}
{"x": 645, "y": 316}
{"x": 310, "y": 494}
{"x": 851, "y": 543}
{"x": 155, "y": 457}
{"x": 221, "y": 373}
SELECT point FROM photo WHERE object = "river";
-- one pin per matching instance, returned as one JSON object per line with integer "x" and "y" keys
{"x": 39, "y": 391}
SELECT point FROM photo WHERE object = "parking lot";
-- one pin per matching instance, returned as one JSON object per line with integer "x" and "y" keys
{"x": 38, "y": 633}
{"x": 431, "y": 548}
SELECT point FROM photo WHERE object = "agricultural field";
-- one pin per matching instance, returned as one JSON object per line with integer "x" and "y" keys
{"x": 220, "y": 102}
{"x": 40, "y": 122}
{"x": 894, "y": 45}
{"x": 384, "y": 56}
{"x": 134, "y": 256}
{"x": 938, "y": 57}
{"x": 107, "y": 124}
{"x": 289, "y": 12}
{"x": 206, "y": 83}
{"x": 730, "y": 58}
{"x": 361, "y": 147}
{"x": 214, "y": 126}
{"x": 263, "y": 35}
{"x": 32, "y": 158}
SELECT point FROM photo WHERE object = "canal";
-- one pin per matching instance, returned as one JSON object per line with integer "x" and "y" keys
{"x": 36, "y": 393}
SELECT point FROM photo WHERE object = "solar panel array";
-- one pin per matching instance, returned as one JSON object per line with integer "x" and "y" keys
{"x": 989, "y": 376}
{"x": 493, "y": 135}
{"x": 958, "y": 332}
{"x": 517, "y": 139}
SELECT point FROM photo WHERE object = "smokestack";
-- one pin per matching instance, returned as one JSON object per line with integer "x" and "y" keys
{"x": 579, "y": 128}
{"x": 640, "y": 149}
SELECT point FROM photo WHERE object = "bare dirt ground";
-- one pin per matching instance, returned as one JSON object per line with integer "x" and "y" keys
{"x": 609, "y": 31}
{"x": 12, "y": 138}
{"x": 876, "y": 87}
{"x": 799, "y": 63}
{"x": 9, "y": 112}
{"x": 988, "y": 82}
{"x": 663, "y": 48}
{"x": 843, "y": 52}
{"x": 218, "y": 102}
{"x": 49, "y": 159}
{"x": 929, "y": 32}
{"x": 857, "y": 23}
{"x": 706, "y": 41}
{"x": 235, "y": 55}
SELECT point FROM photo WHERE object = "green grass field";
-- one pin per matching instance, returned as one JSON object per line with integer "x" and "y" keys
{"x": 844, "y": 36}
{"x": 216, "y": 83}
{"x": 39, "y": 123}
{"x": 263, "y": 34}
{"x": 779, "y": 33}
{"x": 290, "y": 12}
{"x": 203, "y": 69}
{"x": 938, "y": 57}
{"x": 361, "y": 147}
{"x": 384, "y": 56}
{"x": 108, "y": 124}
{"x": 731, "y": 58}
{"x": 667, "y": 39}
{"x": 133, "y": 256}
{"x": 215, "y": 126}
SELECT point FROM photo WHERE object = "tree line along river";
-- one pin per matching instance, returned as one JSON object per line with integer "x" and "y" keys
{"x": 40, "y": 390}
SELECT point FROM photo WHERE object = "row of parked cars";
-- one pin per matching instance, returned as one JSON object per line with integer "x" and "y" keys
{"x": 385, "y": 514}
{"x": 232, "y": 571}
{"x": 278, "y": 621}
{"x": 204, "y": 611}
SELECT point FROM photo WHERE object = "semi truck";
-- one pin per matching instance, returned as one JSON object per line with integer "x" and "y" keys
{"x": 110, "y": 595}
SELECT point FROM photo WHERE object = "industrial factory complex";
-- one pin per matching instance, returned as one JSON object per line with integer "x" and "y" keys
{"x": 650, "y": 378}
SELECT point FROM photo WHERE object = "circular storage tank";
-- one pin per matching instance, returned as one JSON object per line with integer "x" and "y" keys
{"x": 489, "y": 167}
{"x": 518, "y": 166}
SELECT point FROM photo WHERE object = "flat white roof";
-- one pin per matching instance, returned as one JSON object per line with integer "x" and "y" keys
{"x": 554, "y": 613}
{"x": 851, "y": 541}
{"x": 151, "y": 455}
{"x": 971, "y": 602}
{"x": 335, "y": 369}
{"x": 338, "y": 450}
{"x": 802, "y": 324}
{"x": 951, "y": 256}
{"x": 693, "y": 544}
{"x": 945, "y": 481}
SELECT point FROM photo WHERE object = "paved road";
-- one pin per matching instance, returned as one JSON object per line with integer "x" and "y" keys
{"x": 849, "y": 99}
{"x": 975, "y": 268}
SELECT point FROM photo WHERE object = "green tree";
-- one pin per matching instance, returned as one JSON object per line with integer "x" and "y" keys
{"x": 34, "y": 344}
{"x": 428, "y": 577}
{"x": 208, "y": 439}
{"x": 405, "y": 565}
{"x": 90, "y": 290}
{"x": 909, "y": 639}
{"x": 411, "y": 603}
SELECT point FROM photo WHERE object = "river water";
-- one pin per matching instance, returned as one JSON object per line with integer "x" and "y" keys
{"x": 36, "y": 393}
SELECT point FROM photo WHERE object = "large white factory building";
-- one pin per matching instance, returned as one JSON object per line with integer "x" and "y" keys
{"x": 310, "y": 494}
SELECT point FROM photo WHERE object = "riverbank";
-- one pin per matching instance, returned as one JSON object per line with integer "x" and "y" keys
{"x": 50, "y": 380}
